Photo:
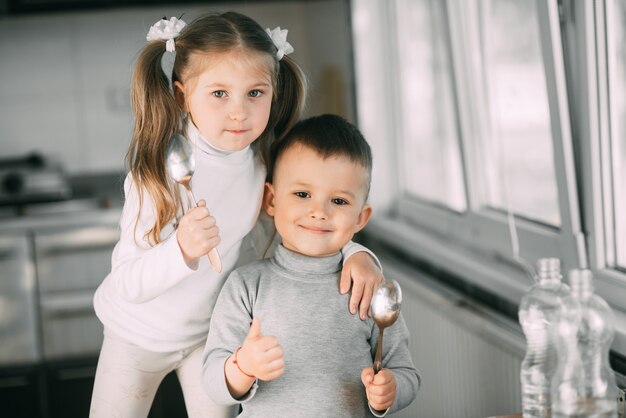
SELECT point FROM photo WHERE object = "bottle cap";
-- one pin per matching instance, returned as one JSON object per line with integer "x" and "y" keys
{"x": 581, "y": 280}
{"x": 549, "y": 268}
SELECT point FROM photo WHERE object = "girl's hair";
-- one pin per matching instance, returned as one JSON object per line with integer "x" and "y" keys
{"x": 158, "y": 116}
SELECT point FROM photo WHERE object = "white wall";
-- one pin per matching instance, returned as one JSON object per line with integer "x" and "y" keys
{"x": 64, "y": 77}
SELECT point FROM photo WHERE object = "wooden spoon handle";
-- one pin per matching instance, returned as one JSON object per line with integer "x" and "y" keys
{"x": 214, "y": 258}
{"x": 379, "y": 350}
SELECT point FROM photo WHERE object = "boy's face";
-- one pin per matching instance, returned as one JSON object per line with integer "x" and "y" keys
{"x": 317, "y": 204}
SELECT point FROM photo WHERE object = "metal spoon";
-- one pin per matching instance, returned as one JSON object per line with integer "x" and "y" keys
{"x": 385, "y": 307}
{"x": 180, "y": 165}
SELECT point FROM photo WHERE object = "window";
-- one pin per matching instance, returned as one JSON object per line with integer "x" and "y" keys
{"x": 472, "y": 108}
{"x": 616, "y": 54}
{"x": 429, "y": 140}
{"x": 517, "y": 144}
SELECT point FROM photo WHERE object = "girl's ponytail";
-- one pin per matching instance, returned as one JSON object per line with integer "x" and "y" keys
{"x": 156, "y": 112}
{"x": 292, "y": 91}
{"x": 157, "y": 118}
{"x": 291, "y": 88}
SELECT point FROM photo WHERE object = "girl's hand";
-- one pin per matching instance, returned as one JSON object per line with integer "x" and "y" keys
{"x": 363, "y": 273}
{"x": 197, "y": 233}
{"x": 380, "y": 388}
{"x": 261, "y": 355}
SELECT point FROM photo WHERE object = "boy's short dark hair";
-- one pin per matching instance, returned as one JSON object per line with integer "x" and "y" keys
{"x": 328, "y": 135}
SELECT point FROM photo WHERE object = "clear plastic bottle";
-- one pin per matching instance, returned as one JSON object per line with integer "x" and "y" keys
{"x": 538, "y": 309}
{"x": 584, "y": 384}
{"x": 569, "y": 373}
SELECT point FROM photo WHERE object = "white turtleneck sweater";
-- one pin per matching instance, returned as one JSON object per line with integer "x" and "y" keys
{"x": 151, "y": 297}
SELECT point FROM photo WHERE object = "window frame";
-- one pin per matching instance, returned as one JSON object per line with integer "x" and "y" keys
{"x": 594, "y": 132}
{"x": 476, "y": 244}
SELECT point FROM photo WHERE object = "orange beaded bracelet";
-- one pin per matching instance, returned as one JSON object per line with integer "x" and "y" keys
{"x": 237, "y": 364}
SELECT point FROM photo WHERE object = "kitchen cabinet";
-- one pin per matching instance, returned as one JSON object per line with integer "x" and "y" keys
{"x": 68, "y": 385}
{"x": 71, "y": 263}
{"x": 50, "y": 267}
{"x": 74, "y": 257}
{"x": 18, "y": 312}
{"x": 62, "y": 389}
{"x": 21, "y": 392}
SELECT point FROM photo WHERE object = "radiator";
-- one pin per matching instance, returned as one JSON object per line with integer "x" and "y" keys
{"x": 469, "y": 357}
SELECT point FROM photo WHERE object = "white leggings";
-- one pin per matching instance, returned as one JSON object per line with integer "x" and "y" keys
{"x": 128, "y": 377}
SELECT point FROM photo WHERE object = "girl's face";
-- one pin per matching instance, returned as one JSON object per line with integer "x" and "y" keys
{"x": 230, "y": 100}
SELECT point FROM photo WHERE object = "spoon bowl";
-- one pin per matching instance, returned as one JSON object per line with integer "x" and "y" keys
{"x": 179, "y": 159}
{"x": 181, "y": 164}
{"x": 385, "y": 307}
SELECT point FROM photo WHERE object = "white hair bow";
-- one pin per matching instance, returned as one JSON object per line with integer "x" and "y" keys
{"x": 279, "y": 37}
{"x": 166, "y": 30}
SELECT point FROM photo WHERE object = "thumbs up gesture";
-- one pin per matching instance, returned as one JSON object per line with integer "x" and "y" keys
{"x": 261, "y": 355}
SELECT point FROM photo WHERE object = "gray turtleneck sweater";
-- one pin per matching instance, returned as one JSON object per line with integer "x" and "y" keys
{"x": 297, "y": 300}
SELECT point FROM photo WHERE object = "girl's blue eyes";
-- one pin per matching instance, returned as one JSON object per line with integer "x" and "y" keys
{"x": 302, "y": 195}
{"x": 338, "y": 201}
{"x": 222, "y": 93}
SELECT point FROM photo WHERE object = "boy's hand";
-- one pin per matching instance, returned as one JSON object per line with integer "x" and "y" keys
{"x": 380, "y": 388}
{"x": 197, "y": 233}
{"x": 261, "y": 355}
{"x": 363, "y": 273}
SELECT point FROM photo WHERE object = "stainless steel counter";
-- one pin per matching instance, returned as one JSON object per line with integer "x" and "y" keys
{"x": 58, "y": 215}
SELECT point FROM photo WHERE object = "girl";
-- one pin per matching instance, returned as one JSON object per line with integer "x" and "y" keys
{"x": 236, "y": 91}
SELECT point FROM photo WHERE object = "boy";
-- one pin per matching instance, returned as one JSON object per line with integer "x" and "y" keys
{"x": 281, "y": 341}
